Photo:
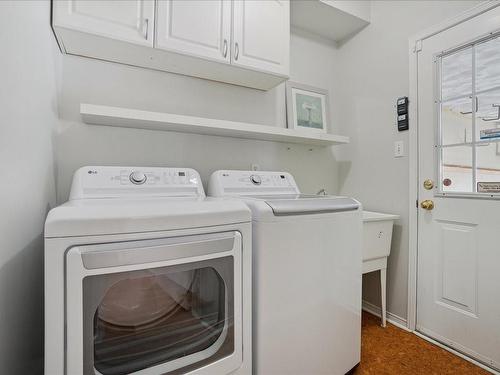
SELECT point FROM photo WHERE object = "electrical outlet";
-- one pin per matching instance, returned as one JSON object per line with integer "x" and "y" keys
{"x": 255, "y": 167}
{"x": 399, "y": 149}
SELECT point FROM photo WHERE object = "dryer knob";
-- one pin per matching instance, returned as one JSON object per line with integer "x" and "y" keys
{"x": 137, "y": 178}
{"x": 255, "y": 179}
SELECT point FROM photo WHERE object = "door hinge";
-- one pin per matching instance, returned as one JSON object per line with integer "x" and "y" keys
{"x": 418, "y": 46}
{"x": 416, "y": 203}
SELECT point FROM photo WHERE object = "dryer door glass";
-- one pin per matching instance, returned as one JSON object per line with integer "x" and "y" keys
{"x": 180, "y": 316}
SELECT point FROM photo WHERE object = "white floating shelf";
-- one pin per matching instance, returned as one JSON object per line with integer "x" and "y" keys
{"x": 134, "y": 118}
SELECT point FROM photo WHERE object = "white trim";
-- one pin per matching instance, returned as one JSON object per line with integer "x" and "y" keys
{"x": 461, "y": 17}
{"x": 415, "y": 46}
{"x": 413, "y": 188}
{"x": 391, "y": 318}
{"x": 458, "y": 354}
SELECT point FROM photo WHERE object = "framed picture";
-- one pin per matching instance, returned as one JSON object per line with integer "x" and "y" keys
{"x": 307, "y": 107}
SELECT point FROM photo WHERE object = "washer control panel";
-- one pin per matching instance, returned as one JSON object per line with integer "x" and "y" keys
{"x": 109, "y": 182}
{"x": 228, "y": 182}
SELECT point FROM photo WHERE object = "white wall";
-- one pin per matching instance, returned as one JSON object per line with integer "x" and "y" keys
{"x": 28, "y": 117}
{"x": 373, "y": 73}
{"x": 98, "y": 82}
{"x": 364, "y": 77}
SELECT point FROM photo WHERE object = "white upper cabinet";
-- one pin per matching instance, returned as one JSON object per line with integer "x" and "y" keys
{"x": 126, "y": 20}
{"x": 261, "y": 35}
{"x": 242, "y": 42}
{"x": 196, "y": 27}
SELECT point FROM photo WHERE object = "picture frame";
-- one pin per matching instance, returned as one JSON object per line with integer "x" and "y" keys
{"x": 307, "y": 108}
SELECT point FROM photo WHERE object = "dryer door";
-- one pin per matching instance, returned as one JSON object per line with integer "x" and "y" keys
{"x": 152, "y": 307}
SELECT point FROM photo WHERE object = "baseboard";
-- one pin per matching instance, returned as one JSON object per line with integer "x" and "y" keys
{"x": 391, "y": 318}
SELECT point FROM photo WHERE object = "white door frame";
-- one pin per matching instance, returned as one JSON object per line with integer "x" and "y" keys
{"x": 415, "y": 45}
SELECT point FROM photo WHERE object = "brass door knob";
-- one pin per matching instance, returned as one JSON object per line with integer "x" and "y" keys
{"x": 428, "y": 184}
{"x": 427, "y": 205}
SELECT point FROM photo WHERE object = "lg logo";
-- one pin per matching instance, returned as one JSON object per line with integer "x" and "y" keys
{"x": 92, "y": 172}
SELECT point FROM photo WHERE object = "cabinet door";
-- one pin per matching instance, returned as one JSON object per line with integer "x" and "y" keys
{"x": 199, "y": 28}
{"x": 127, "y": 20}
{"x": 261, "y": 35}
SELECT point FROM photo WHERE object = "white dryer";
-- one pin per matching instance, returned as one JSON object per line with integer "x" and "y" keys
{"x": 145, "y": 276}
{"x": 306, "y": 274}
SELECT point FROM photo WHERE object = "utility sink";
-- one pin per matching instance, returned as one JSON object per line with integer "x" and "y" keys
{"x": 377, "y": 234}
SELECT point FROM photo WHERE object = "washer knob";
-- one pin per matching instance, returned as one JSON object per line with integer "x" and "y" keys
{"x": 256, "y": 180}
{"x": 137, "y": 178}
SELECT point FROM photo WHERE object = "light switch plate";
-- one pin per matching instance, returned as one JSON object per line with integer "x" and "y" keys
{"x": 399, "y": 149}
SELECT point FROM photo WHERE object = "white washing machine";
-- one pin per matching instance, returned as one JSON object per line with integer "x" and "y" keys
{"x": 145, "y": 276}
{"x": 306, "y": 274}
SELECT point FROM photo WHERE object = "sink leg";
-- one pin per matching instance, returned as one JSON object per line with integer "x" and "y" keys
{"x": 383, "y": 276}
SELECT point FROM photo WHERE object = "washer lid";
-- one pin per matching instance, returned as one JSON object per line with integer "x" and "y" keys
{"x": 309, "y": 204}
{"x": 90, "y": 217}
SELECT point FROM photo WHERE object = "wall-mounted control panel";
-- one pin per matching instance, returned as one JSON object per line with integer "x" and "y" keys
{"x": 402, "y": 113}
{"x": 251, "y": 183}
{"x": 111, "y": 182}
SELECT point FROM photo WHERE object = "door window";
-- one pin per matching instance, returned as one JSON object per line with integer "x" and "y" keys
{"x": 179, "y": 314}
{"x": 468, "y": 142}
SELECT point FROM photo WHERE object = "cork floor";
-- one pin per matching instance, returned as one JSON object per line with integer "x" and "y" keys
{"x": 391, "y": 350}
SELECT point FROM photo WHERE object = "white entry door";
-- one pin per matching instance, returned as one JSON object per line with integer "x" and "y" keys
{"x": 458, "y": 288}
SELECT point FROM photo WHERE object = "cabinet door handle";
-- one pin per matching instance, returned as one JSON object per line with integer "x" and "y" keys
{"x": 224, "y": 48}
{"x": 146, "y": 28}
{"x": 236, "y": 51}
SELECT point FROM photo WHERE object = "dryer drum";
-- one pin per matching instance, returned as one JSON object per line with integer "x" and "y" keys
{"x": 151, "y": 318}
{"x": 138, "y": 301}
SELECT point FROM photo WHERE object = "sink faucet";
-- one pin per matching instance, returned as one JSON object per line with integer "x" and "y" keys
{"x": 321, "y": 192}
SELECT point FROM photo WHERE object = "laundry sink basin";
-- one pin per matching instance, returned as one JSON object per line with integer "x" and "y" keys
{"x": 377, "y": 234}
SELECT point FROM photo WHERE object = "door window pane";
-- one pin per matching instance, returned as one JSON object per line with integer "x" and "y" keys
{"x": 456, "y": 171}
{"x": 456, "y": 74}
{"x": 487, "y": 117}
{"x": 488, "y": 65}
{"x": 149, "y": 317}
{"x": 469, "y": 118}
{"x": 456, "y": 121}
{"x": 488, "y": 164}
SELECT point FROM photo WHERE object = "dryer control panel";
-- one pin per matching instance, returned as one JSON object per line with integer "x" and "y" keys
{"x": 228, "y": 182}
{"x": 114, "y": 182}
